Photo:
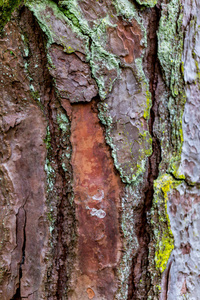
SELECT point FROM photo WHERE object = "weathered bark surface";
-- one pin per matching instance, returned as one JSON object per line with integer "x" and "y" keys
{"x": 99, "y": 154}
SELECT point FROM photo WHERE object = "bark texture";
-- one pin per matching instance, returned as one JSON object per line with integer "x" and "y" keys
{"x": 99, "y": 152}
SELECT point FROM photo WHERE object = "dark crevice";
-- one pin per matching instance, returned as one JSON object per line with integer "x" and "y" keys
{"x": 189, "y": 184}
{"x": 165, "y": 282}
{"x": 139, "y": 6}
{"x": 63, "y": 240}
{"x": 139, "y": 281}
{"x": 62, "y": 250}
{"x": 65, "y": 210}
{"x": 17, "y": 295}
{"x": 64, "y": 193}
{"x": 90, "y": 45}
{"x": 168, "y": 279}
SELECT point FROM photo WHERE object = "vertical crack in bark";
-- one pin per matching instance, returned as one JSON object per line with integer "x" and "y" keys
{"x": 63, "y": 213}
{"x": 21, "y": 215}
{"x": 165, "y": 282}
{"x": 139, "y": 282}
{"x": 63, "y": 235}
{"x": 65, "y": 246}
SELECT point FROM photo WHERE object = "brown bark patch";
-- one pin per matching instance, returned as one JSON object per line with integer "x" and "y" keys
{"x": 186, "y": 248}
{"x": 73, "y": 75}
{"x": 124, "y": 40}
{"x": 97, "y": 189}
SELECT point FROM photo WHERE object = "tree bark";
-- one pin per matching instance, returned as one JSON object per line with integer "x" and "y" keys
{"x": 99, "y": 153}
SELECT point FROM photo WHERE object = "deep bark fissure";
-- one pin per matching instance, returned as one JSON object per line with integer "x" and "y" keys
{"x": 139, "y": 281}
{"x": 189, "y": 184}
{"x": 17, "y": 295}
{"x": 62, "y": 251}
{"x": 50, "y": 106}
{"x": 65, "y": 193}
{"x": 167, "y": 281}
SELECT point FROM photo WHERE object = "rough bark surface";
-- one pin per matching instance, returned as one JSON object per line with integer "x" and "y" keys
{"x": 99, "y": 153}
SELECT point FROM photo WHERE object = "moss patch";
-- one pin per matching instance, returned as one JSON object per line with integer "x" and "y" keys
{"x": 6, "y": 9}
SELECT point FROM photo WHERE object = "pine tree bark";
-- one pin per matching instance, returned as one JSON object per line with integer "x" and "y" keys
{"x": 99, "y": 153}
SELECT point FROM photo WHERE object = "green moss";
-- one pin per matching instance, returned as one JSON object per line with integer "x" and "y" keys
{"x": 6, "y": 9}
{"x": 70, "y": 16}
{"x": 158, "y": 287}
{"x": 47, "y": 140}
{"x": 145, "y": 139}
{"x": 74, "y": 13}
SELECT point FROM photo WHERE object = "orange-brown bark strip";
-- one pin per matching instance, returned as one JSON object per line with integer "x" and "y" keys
{"x": 97, "y": 187}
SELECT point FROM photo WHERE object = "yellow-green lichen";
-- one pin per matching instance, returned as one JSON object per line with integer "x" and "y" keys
{"x": 145, "y": 88}
{"x": 162, "y": 230}
{"x": 165, "y": 249}
{"x": 145, "y": 140}
{"x": 148, "y": 105}
{"x": 174, "y": 167}
{"x": 197, "y": 71}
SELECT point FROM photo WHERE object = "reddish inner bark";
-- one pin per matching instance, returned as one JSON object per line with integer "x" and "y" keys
{"x": 97, "y": 189}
